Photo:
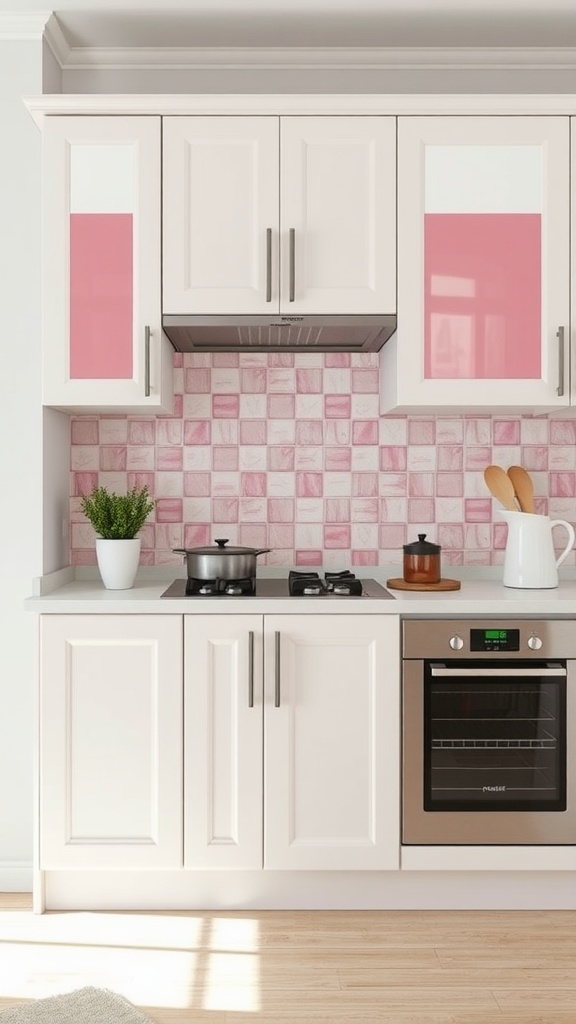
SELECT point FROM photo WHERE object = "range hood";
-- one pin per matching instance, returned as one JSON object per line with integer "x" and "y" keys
{"x": 273, "y": 333}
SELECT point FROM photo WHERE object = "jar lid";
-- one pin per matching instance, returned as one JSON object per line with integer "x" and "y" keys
{"x": 422, "y": 547}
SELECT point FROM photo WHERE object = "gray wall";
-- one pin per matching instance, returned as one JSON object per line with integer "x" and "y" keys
{"x": 261, "y": 81}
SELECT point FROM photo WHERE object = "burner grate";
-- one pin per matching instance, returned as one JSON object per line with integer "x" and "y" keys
{"x": 310, "y": 584}
{"x": 220, "y": 588}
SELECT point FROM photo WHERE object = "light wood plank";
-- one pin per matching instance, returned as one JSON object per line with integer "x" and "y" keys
{"x": 301, "y": 967}
{"x": 15, "y": 901}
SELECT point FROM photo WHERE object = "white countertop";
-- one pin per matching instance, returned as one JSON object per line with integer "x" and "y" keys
{"x": 475, "y": 598}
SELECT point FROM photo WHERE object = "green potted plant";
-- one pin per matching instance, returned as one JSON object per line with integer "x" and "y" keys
{"x": 117, "y": 518}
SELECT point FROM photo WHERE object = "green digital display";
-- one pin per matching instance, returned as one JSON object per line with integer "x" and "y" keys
{"x": 494, "y": 639}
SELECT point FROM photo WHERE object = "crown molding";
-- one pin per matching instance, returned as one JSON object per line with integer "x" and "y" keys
{"x": 57, "y": 41}
{"x": 49, "y": 105}
{"x": 23, "y": 26}
{"x": 307, "y": 58}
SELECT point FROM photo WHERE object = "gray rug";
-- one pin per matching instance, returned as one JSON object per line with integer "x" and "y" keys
{"x": 84, "y": 1006}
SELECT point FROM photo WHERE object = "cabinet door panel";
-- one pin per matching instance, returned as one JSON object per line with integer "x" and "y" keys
{"x": 223, "y": 741}
{"x": 331, "y": 746}
{"x": 220, "y": 197}
{"x": 111, "y": 741}
{"x": 483, "y": 264}
{"x": 103, "y": 344}
{"x": 338, "y": 194}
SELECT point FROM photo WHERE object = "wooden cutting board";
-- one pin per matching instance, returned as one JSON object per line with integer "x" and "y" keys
{"x": 399, "y": 584}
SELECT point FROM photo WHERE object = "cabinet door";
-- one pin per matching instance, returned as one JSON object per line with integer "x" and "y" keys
{"x": 220, "y": 215}
{"x": 483, "y": 264}
{"x": 103, "y": 344}
{"x": 223, "y": 741}
{"x": 111, "y": 741}
{"x": 331, "y": 754}
{"x": 338, "y": 214}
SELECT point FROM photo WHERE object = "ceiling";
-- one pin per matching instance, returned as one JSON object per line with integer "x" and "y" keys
{"x": 313, "y": 23}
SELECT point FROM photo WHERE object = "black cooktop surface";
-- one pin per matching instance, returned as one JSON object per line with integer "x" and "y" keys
{"x": 271, "y": 588}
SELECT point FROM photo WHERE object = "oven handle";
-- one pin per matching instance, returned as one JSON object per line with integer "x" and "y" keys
{"x": 442, "y": 673}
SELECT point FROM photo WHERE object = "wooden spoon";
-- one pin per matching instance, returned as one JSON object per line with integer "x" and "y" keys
{"x": 523, "y": 487}
{"x": 500, "y": 486}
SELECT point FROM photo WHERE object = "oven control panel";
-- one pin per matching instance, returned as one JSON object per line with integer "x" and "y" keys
{"x": 487, "y": 638}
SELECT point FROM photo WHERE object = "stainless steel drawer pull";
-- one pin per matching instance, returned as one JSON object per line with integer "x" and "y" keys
{"x": 560, "y": 336}
{"x": 439, "y": 672}
{"x": 251, "y": 669}
{"x": 292, "y": 295}
{"x": 276, "y": 670}
{"x": 268, "y": 264}
{"x": 147, "y": 333}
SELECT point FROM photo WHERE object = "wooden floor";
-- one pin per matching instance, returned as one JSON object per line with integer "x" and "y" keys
{"x": 308, "y": 967}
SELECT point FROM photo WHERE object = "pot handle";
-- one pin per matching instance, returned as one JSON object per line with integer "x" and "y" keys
{"x": 571, "y": 537}
{"x": 179, "y": 551}
{"x": 262, "y": 551}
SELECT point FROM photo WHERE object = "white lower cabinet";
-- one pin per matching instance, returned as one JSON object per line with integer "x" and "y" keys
{"x": 110, "y": 741}
{"x": 292, "y": 742}
{"x": 223, "y": 741}
{"x": 287, "y": 727}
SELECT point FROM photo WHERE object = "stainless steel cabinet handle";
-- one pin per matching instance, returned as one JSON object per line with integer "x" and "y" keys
{"x": 292, "y": 264}
{"x": 560, "y": 336}
{"x": 276, "y": 670}
{"x": 439, "y": 672}
{"x": 268, "y": 264}
{"x": 147, "y": 333}
{"x": 251, "y": 669}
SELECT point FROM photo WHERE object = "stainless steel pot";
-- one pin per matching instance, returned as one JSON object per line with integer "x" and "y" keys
{"x": 220, "y": 562}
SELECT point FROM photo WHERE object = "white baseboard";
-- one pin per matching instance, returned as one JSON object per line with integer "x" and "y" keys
{"x": 15, "y": 876}
{"x": 75, "y": 890}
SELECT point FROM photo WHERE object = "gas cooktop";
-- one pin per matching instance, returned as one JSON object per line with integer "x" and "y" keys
{"x": 279, "y": 588}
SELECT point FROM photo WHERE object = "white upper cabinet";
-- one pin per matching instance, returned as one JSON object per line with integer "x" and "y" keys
{"x": 483, "y": 265}
{"x": 220, "y": 211}
{"x": 266, "y": 215}
{"x": 103, "y": 347}
{"x": 338, "y": 215}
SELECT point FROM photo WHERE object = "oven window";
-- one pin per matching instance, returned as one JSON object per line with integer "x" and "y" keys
{"x": 495, "y": 739}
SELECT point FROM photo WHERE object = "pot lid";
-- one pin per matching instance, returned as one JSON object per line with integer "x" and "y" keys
{"x": 220, "y": 548}
{"x": 422, "y": 547}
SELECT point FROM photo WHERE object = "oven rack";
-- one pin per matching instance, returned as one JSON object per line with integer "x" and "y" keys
{"x": 540, "y": 743}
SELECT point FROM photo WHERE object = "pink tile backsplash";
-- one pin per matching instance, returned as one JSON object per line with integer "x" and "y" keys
{"x": 287, "y": 451}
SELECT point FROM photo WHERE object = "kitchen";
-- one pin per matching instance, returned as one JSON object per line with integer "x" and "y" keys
{"x": 382, "y": 481}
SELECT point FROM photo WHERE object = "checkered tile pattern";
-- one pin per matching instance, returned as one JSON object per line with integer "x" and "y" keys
{"x": 288, "y": 451}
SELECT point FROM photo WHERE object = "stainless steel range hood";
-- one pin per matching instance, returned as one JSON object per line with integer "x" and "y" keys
{"x": 286, "y": 333}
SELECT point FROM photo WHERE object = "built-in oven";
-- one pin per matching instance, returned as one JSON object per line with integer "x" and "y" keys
{"x": 488, "y": 731}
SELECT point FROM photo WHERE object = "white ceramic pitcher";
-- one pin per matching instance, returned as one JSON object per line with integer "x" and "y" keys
{"x": 530, "y": 560}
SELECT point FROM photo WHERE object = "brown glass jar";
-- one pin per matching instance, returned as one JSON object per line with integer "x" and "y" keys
{"x": 422, "y": 561}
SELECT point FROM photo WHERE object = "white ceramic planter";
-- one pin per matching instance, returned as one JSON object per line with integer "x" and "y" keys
{"x": 118, "y": 562}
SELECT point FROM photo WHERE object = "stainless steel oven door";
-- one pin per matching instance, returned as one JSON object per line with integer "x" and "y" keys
{"x": 487, "y": 750}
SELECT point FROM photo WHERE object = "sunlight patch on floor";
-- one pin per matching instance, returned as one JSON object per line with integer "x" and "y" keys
{"x": 150, "y": 977}
{"x": 150, "y": 959}
{"x": 235, "y": 933}
{"x": 233, "y": 965}
{"x": 154, "y": 931}
{"x": 232, "y": 982}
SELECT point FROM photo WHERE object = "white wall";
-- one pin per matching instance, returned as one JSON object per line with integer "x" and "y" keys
{"x": 20, "y": 449}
